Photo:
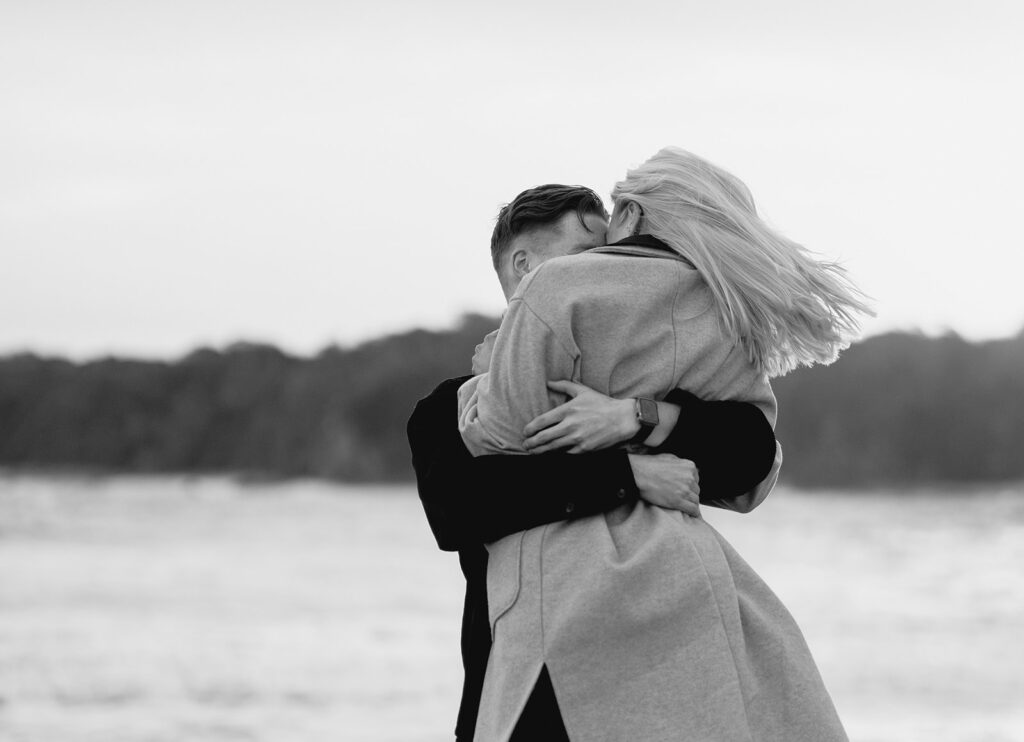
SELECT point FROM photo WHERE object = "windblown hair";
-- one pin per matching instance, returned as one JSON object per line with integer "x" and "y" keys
{"x": 540, "y": 207}
{"x": 785, "y": 307}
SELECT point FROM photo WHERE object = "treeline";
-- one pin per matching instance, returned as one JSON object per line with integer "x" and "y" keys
{"x": 896, "y": 409}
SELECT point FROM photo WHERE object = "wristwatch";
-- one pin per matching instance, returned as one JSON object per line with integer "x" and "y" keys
{"x": 647, "y": 416}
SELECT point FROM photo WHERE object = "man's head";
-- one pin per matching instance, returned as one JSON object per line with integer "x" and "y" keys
{"x": 541, "y": 223}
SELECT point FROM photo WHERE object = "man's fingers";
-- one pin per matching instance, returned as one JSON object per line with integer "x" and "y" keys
{"x": 566, "y": 387}
{"x": 690, "y": 507}
{"x": 545, "y": 420}
{"x": 554, "y": 445}
{"x": 544, "y": 437}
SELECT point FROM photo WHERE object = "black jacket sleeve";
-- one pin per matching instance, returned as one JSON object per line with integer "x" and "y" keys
{"x": 473, "y": 500}
{"x": 732, "y": 444}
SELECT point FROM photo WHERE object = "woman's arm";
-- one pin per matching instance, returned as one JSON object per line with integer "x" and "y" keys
{"x": 495, "y": 407}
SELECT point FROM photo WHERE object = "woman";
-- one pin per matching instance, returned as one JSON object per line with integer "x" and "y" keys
{"x": 649, "y": 624}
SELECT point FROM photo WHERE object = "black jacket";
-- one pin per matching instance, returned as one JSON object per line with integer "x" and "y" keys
{"x": 472, "y": 501}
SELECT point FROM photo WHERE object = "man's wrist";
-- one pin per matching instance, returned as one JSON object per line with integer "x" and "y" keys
{"x": 647, "y": 418}
{"x": 630, "y": 424}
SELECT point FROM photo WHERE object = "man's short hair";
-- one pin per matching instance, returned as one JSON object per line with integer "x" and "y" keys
{"x": 540, "y": 207}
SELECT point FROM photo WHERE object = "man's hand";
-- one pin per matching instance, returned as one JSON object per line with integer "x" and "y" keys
{"x": 668, "y": 482}
{"x": 589, "y": 421}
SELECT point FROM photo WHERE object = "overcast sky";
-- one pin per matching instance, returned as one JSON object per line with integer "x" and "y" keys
{"x": 184, "y": 173}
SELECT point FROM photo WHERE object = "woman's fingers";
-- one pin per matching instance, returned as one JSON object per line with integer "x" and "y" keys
{"x": 545, "y": 420}
{"x": 546, "y": 439}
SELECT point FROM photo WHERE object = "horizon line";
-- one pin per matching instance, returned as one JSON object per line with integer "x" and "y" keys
{"x": 454, "y": 325}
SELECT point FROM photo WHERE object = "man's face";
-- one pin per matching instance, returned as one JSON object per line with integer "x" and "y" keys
{"x": 565, "y": 237}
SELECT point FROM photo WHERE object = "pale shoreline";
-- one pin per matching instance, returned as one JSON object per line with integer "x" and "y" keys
{"x": 202, "y": 610}
{"x": 263, "y": 479}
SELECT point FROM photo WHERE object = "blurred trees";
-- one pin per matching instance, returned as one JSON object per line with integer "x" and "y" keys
{"x": 895, "y": 409}
{"x": 904, "y": 408}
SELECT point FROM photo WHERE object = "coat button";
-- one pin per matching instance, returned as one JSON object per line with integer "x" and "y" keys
{"x": 569, "y": 507}
{"x": 622, "y": 494}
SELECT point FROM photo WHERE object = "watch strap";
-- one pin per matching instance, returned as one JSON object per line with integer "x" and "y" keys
{"x": 647, "y": 416}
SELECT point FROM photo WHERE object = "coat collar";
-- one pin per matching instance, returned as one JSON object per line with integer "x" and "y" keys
{"x": 650, "y": 246}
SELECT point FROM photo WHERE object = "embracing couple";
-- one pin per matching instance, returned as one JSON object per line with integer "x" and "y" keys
{"x": 632, "y": 368}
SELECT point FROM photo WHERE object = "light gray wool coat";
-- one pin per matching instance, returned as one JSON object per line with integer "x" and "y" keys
{"x": 651, "y": 625}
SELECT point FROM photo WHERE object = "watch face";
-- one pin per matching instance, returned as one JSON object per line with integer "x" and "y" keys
{"x": 647, "y": 411}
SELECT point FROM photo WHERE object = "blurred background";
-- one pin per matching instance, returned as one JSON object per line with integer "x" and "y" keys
{"x": 239, "y": 240}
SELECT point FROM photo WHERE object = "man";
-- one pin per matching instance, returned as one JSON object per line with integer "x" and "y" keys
{"x": 473, "y": 501}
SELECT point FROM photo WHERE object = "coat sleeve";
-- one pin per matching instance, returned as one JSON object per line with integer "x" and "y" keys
{"x": 494, "y": 407}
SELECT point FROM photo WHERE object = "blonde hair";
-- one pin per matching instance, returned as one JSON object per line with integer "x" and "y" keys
{"x": 784, "y": 307}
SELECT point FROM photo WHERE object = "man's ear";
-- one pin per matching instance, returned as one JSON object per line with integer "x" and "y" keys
{"x": 520, "y": 262}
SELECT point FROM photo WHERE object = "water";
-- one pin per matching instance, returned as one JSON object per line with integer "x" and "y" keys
{"x": 201, "y": 610}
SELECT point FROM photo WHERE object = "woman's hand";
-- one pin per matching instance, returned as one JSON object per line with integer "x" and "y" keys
{"x": 482, "y": 354}
{"x": 589, "y": 421}
{"x": 668, "y": 482}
